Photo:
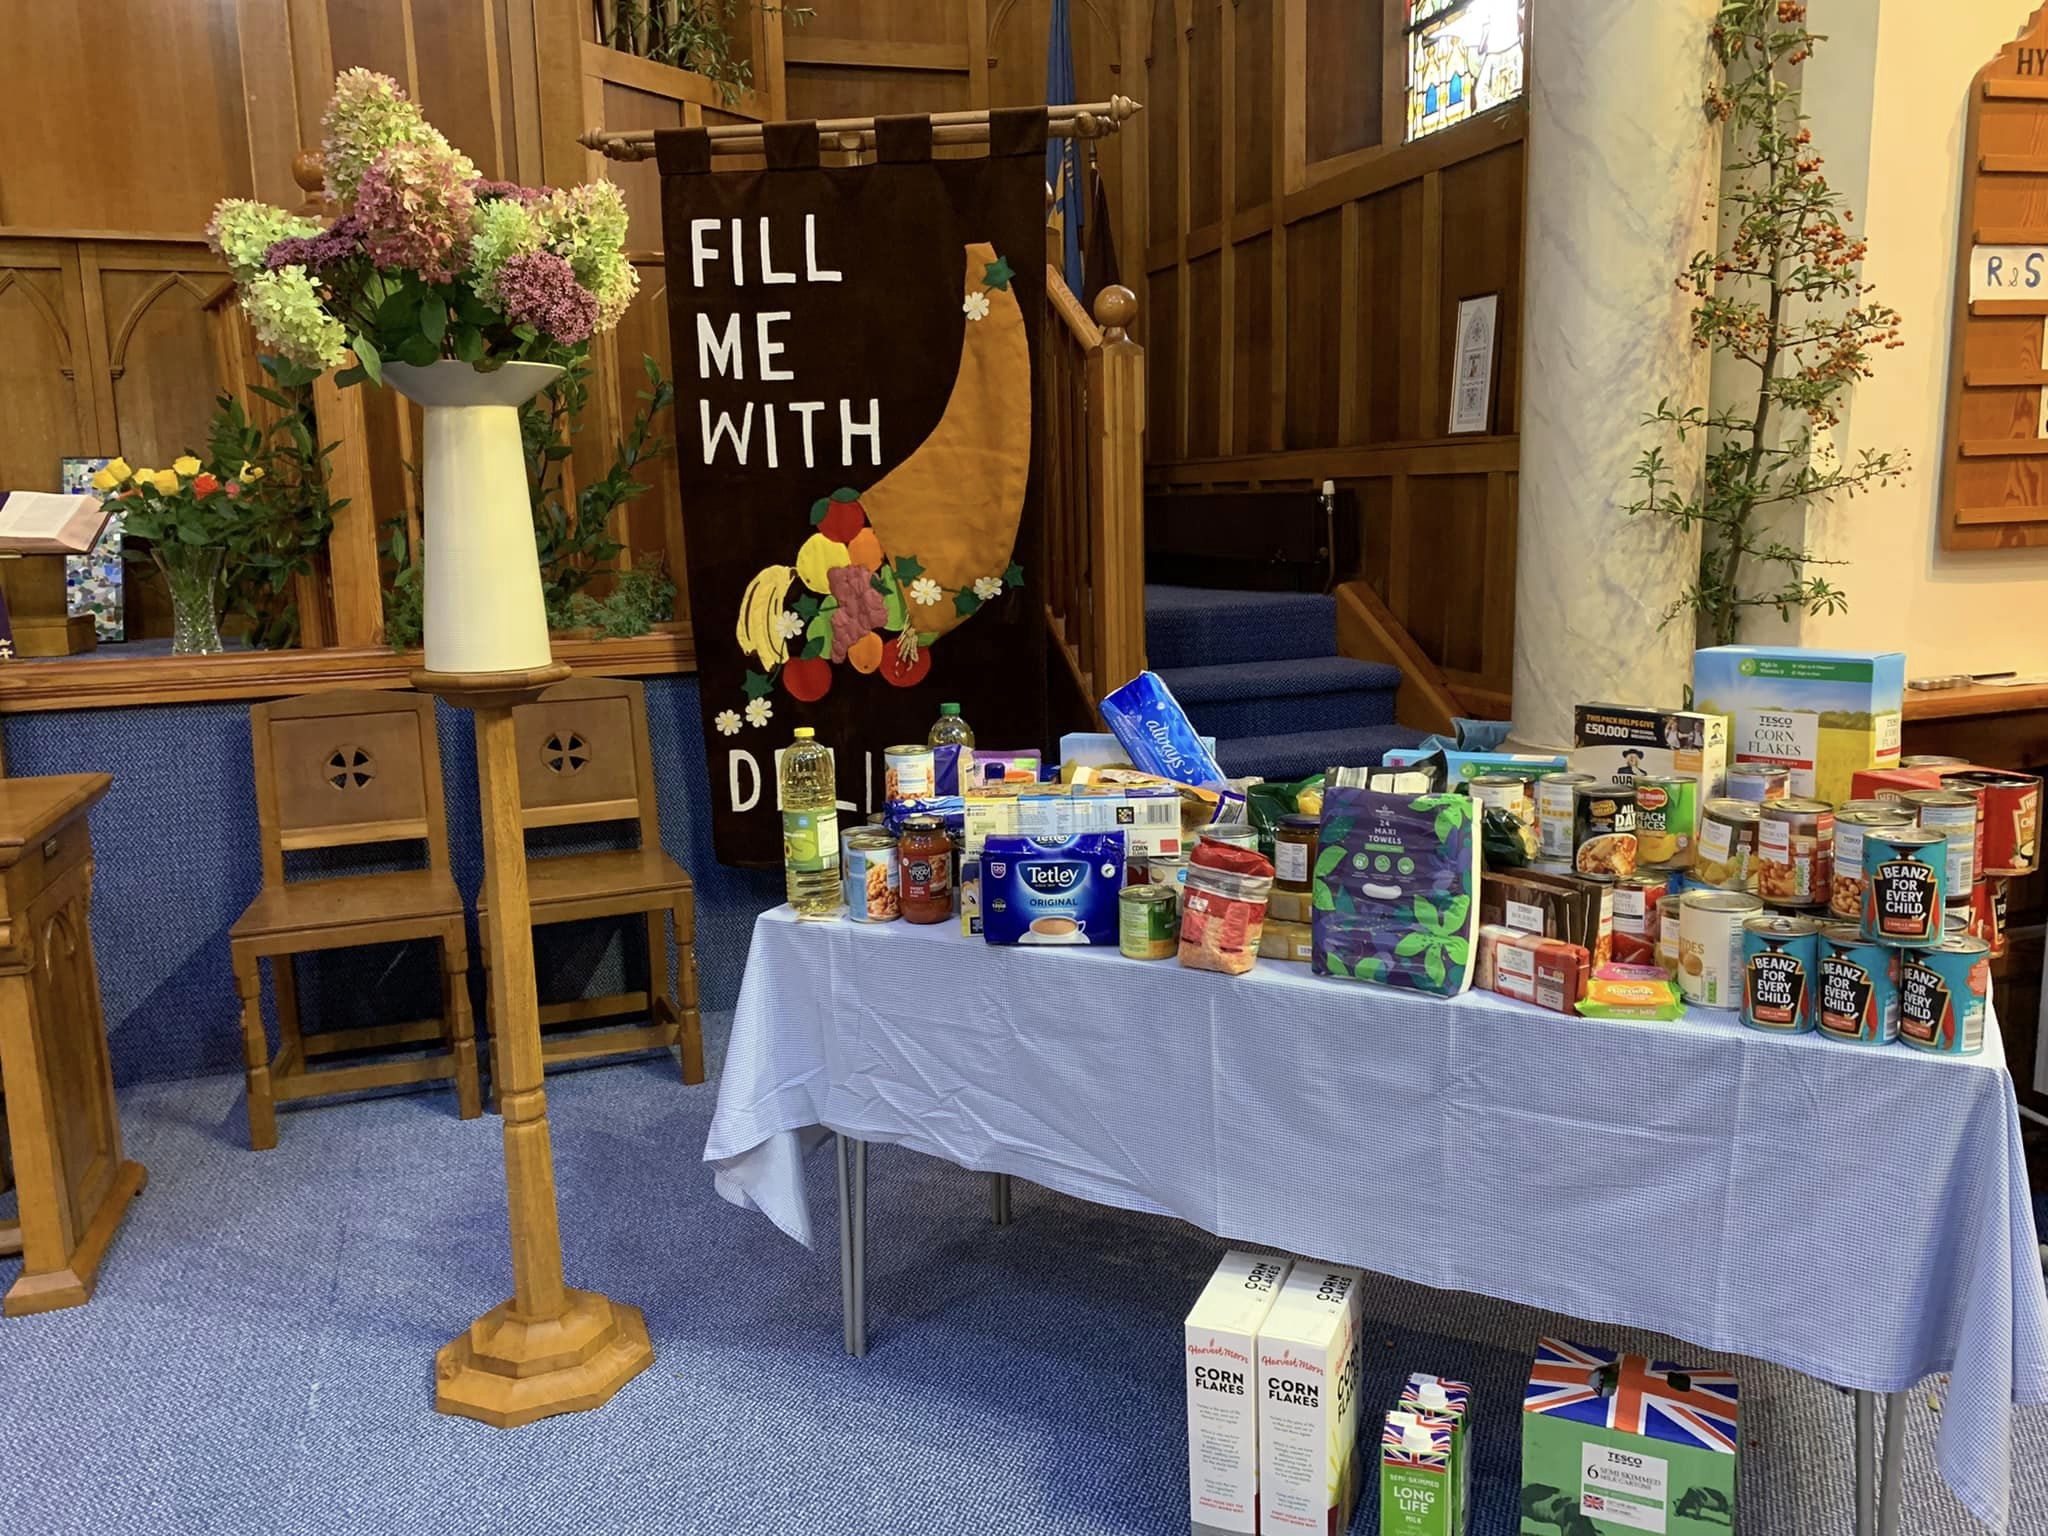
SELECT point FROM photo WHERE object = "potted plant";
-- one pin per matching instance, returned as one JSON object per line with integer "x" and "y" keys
{"x": 191, "y": 517}
{"x": 469, "y": 296}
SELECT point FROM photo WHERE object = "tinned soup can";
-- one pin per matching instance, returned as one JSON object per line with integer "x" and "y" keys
{"x": 1604, "y": 829}
{"x": 2012, "y": 819}
{"x": 1858, "y": 1000}
{"x": 1556, "y": 805}
{"x": 1710, "y": 945}
{"x": 1668, "y": 921}
{"x": 1845, "y": 886}
{"x": 1780, "y": 958}
{"x": 1758, "y": 782}
{"x": 1942, "y": 995}
{"x": 1905, "y": 877}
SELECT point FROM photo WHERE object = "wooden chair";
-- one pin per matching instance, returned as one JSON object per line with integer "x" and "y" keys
{"x": 584, "y": 760}
{"x": 337, "y": 770}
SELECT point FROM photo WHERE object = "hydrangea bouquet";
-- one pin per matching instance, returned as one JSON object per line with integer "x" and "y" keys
{"x": 428, "y": 260}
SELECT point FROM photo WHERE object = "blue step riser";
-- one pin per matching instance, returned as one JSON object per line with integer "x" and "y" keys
{"x": 1222, "y": 639}
{"x": 1310, "y": 712}
{"x": 1286, "y": 768}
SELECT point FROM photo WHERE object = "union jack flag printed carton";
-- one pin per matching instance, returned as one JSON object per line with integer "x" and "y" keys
{"x": 1615, "y": 1444}
{"x": 1418, "y": 1489}
{"x": 1438, "y": 1397}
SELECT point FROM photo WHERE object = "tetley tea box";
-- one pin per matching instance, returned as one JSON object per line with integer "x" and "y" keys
{"x": 1617, "y": 1444}
{"x": 1223, "y": 1406}
{"x": 1308, "y": 1403}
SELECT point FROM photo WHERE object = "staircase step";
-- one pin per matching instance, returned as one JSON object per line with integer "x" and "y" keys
{"x": 1266, "y": 698}
{"x": 1197, "y": 626}
{"x": 1298, "y": 754}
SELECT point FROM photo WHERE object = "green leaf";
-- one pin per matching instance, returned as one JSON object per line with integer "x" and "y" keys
{"x": 907, "y": 569}
{"x": 1328, "y": 860}
{"x": 1446, "y": 823}
{"x": 806, "y": 606}
{"x": 1014, "y": 576}
{"x": 1411, "y": 944}
{"x": 1334, "y": 964}
{"x": 1454, "y": 912}
{"x": 434, "y": 318}
{"x": 997, "y": 274}
{"x": 756, "y": 686}
{"x": 927, "y": 637}
{"x": 965, "y": 602}
{"x": 1337, "y": 829}
{"x": 846, "y": 493}
{"x": 368, "y": 359}
{"x": 397, "y": 312}
{"x": 820, "y": 625}
{"x": 1433, "y": 965}
{"x": 1371, "y": 968}
{"x": 1458, "y": 949}
{"x": 1426, "y": 913}
{"x": 816, "y": 647}
{"x": 1321, "y": 897}
{"x": 1345, "y": 903}
{"x": 418, "y": 351}
{"x": 470, "y": 345}
{"x": 818, "y": 510}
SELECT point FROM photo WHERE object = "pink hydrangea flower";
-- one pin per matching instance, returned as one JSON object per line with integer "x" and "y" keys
{"x": 539, "y": 289}
{"x": 414, "y": 204}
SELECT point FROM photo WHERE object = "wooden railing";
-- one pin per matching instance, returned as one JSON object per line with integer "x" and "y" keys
{"x": 1093, "y": 399}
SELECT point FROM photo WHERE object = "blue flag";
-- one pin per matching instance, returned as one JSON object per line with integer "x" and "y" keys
{"x": 1063, "y": 156}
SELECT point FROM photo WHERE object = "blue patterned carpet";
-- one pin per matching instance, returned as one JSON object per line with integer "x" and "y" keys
{"x": 259, "y": 1356}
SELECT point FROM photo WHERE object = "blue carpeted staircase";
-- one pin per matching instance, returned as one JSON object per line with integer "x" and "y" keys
{"x": 1260, "y": 672}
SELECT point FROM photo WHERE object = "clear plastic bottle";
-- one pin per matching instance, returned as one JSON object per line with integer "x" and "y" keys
{"x": 950, "y": 731}
{"x": 810, "y": 826}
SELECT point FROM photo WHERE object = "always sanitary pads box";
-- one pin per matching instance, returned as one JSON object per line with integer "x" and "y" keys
{"x": 1052, "y": 890}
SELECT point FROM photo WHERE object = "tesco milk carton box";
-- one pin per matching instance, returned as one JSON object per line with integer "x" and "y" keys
{"x": 1222, "y": 1381}
{"x": 1308, "y": 1403}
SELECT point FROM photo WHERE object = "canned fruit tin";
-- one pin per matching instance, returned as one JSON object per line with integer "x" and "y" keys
{"x": 1636, "y": 902}
{"x": 1858, "y": 997}
{"x": 1604, "y": 829}
{"x": 1954, "y": 816}
{"x": 2012, "y": 819}
{"x": 1710, "y": 945}
{"x": 1556, "y": 806}
{"x": 1780, "y": 960}
{"x": 1667, "y": 820}
{"x": 1845, "y": 887}
{"x": 1148, "y": 921}
{"x": 1795, "y": 852}
{"x": 1758, "y": 782}
{"x": 868, "y": 875}
{"x": 1727, "y": 843}
{"x": 1942, "y": 995}
{"x": 1667, "y": 932}
{"x": 909, "y": 772}
{"x": 1905, "y": 876}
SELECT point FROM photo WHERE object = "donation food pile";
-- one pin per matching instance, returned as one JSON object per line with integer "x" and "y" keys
{"x": 1767, "y": 852}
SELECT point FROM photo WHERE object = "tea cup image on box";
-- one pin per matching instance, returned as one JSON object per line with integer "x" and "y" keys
{"x": 1052, "y": 890}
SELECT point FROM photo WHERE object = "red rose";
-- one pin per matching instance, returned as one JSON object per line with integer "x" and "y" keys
{"x": 204, "y": 484}
{"x": 234, "y": 489}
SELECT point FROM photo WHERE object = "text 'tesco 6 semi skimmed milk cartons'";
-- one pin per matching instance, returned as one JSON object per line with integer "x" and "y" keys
{"x": 1222, "y": 1384}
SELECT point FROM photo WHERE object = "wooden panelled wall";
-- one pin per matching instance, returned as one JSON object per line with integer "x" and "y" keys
{"x": 1303, "y": 268}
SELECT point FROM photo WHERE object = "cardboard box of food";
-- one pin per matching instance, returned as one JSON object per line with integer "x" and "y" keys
{"x": 1220, "y": 1341}
{"x": 1622, "y": 741}
{"x": 1309, "y": 1372}
{"x": 1551, "y": 973}
{"x": 1823, "y": 714}
{"x": 1615, "y": 1445}
{"x": 1567, "y": 907}
{"x": 1286, "y": 941}
{"x": 1150, "y": 819}
{"x": 1460, "y": 766}
{"x": 1290, "y": 907}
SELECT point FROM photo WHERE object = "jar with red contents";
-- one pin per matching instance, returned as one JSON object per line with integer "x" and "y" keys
{"x": 925, "y": 858}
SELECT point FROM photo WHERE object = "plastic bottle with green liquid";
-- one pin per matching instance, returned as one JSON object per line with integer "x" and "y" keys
{"x": 950, "y": 731}
{"x": 810, "y": 826}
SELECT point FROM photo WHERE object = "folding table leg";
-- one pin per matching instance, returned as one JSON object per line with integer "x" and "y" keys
{"x": 999, "y": 1199}
{"x": 853, "y": 1236}
{"x": 1866, "y": 1471}
{"x": 1892, "y": 1492}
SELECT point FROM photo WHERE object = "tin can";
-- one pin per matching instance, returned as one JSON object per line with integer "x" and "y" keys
{"x": 1954, "y": 816}
{"x": 1667, "y": 819}
{"x": 868, "y": 873}
{"x": 1845, "y": 887}
{"x": 1727, "y": 844}
{"x": 1710, "y": 945}
{"x": 1667, "y": 932}
{"x": 1556, "y": 800}
{"x": 1235, "y": 836}
{"x": 1933, "y": 760}
{"x": 1956, "y": 784}
{"x": 1905, "y": 876}
{"x": 1148, "y": 921}
{"x": 1636, "y": 902}
{"x": 1869, "y": 803}
{"x": 1604, "y": 829}
{"x": 1780, "y": 964}
{"x": 909, "y": 772}
{"x": 2012, "y": 819}
{"x": 1858, "y": 999}
{"x": 1169, "y": 869}
{"x": 1990, "y": 911}
{"x": 1942, "y": 995}
{"x": 1758, "y": 782}
{"x": 1795, "y": 852}
{"x": 1508, "y": 792}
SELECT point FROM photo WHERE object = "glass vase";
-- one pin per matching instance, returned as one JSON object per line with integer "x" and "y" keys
{"x": 193, "y": 576}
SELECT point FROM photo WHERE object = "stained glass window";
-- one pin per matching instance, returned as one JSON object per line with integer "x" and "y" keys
{"x": 1464, "y": 56}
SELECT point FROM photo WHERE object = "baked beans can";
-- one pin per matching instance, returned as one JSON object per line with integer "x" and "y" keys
{"x": 1710, "y": 945}
{"x": 1780, "y": 961}
{"x": 1954, "y": 816}
{"x": 910, "y": 772}
{"x": 1991, "y": 929}
{"x": 1556, "y": 806}
{"x": 1905, "y": 878}
{"x": 1667, "y": 932}
{"x": 868, "y": 873}
{"x": 2012, "y": 819}
{"x": 1667, "y": 819}
{"x": 1858, "y": 997}
{"x": 1636, "y": 902}
{"x": 1942, "y": 996}
{"x": 1604, "y": 829}
{"x": 1727, "y": 844}
{"x": 1148, "y": 921}
{"x": 1845, "y": 889}
{"x": 1795, "y": 852}
{"x": 1758, "y": 782}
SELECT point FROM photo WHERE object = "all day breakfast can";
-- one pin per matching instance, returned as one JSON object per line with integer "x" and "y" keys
{"x": 1858, "y": 999}
{"x": 1667, "y": 819}
{"x": 1148, "y": 921}
{"x": 1795, "y": 852}
{"x": 910, "y": 772}
{"x": 1710, "y": 945}
{"x": 1845, "y": 887}
{"x": 1604, "y": 829}
{"x": 1942, "y": 994}
{"x": 1954, "y": 815}
{"x": 868, "y": 873}
{"x": 1556, "y": 804}
{"x": 1727, "y": 844}
{"x": 1905, "y": 877}
{"x": 1780, "y": 961}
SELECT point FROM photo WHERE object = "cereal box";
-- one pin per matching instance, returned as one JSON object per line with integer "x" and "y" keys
{"x": 1219, "y": 1340}
{"x": 1620, "y": 742}
{"x": 1822, "y": 714}
{"x": 1308, "y": 1377}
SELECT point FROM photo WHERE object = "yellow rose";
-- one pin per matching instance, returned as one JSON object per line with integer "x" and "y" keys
{"x": 165, "y": 481}
{"x": 186, "y": 466}
{"x": 105, "y": 480}
{"x": 119, "y": 469}
{"x": 251, "y": 473}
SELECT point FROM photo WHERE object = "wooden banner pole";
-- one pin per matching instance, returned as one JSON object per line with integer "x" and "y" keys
{"x": 1088, "y": 120}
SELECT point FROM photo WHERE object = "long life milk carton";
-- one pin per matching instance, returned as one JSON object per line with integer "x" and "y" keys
{"x": 1821, "y": 714}
{"x": 1418, "y": 1489}
{"x": 1449, "y": 1402}
{"x": 1222, "y": 1382}
{"x": 1308, "y": 1403}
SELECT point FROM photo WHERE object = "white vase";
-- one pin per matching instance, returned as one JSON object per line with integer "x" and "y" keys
{"x": 483, "y": 603}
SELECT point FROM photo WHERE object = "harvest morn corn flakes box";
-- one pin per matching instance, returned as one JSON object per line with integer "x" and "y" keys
{"x": 1823, "y": 714}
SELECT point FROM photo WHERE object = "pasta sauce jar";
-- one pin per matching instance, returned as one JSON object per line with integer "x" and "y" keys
{"x": 924, "y": 860}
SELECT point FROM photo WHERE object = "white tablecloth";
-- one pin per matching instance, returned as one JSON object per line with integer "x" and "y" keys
{"x": 1857, "y": 1214}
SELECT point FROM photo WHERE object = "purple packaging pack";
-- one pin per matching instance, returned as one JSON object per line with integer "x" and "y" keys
{"x": 1052, "y": 890}
{"x": 1148, "y": 721}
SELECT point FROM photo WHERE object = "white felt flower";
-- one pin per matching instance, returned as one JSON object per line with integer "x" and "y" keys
{"x": 975, "y": 306}
{"x": 728, "y": 722}
{"x": 987, "y": 587}
{"x": 924, "y": 591}
{"x": 758, "y": 711}
{"x": 789, "y": 624}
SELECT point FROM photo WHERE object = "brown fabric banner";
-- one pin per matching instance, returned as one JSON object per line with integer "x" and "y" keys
{"x": 854, "y": 350}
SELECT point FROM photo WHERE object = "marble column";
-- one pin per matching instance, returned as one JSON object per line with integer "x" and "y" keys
{"x": 1622, "y": 166}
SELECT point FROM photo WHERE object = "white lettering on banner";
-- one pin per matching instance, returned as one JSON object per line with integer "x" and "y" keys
{"x": 700, "y": 252}
{"x": 739, "y": 256}
{"x": 720, "y": 351}
{"x": 751, "y": 797}
{"x": 872, "y": 431}
{"x": 807, "y": 409}
{"x": 767, "y": 350}
{"x": 812, "y": 270}
{"x": 768, "y": 272}
{"x": 740, "y": 436}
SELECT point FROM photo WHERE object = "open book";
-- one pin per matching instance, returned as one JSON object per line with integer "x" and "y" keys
{"x": 47, "y": 523}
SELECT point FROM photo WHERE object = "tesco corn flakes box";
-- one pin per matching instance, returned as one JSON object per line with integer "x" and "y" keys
{"x": 1615, "y": 1444}
{"x": 1822, "y": 714}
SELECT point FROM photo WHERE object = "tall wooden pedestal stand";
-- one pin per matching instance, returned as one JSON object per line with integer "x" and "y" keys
{"x": 550, "y": 1349}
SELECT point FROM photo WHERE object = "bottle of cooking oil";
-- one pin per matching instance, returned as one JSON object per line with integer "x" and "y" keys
{"x": 810, "y": 826}
{"x": 949, "y": 731}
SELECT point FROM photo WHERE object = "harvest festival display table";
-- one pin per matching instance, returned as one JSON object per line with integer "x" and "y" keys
{"x": 1858, "y": 1214}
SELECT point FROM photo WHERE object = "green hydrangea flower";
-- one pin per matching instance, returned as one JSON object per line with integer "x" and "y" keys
{"x": 243, "y": 232}
{"x": 500, "y": 229}
{"x": 285, "y": 310}
{"x": 367, "y": 115}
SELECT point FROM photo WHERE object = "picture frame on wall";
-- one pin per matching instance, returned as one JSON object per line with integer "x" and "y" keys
{"x": 1472, "y": 357}
{"x": 93, "y": 580}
